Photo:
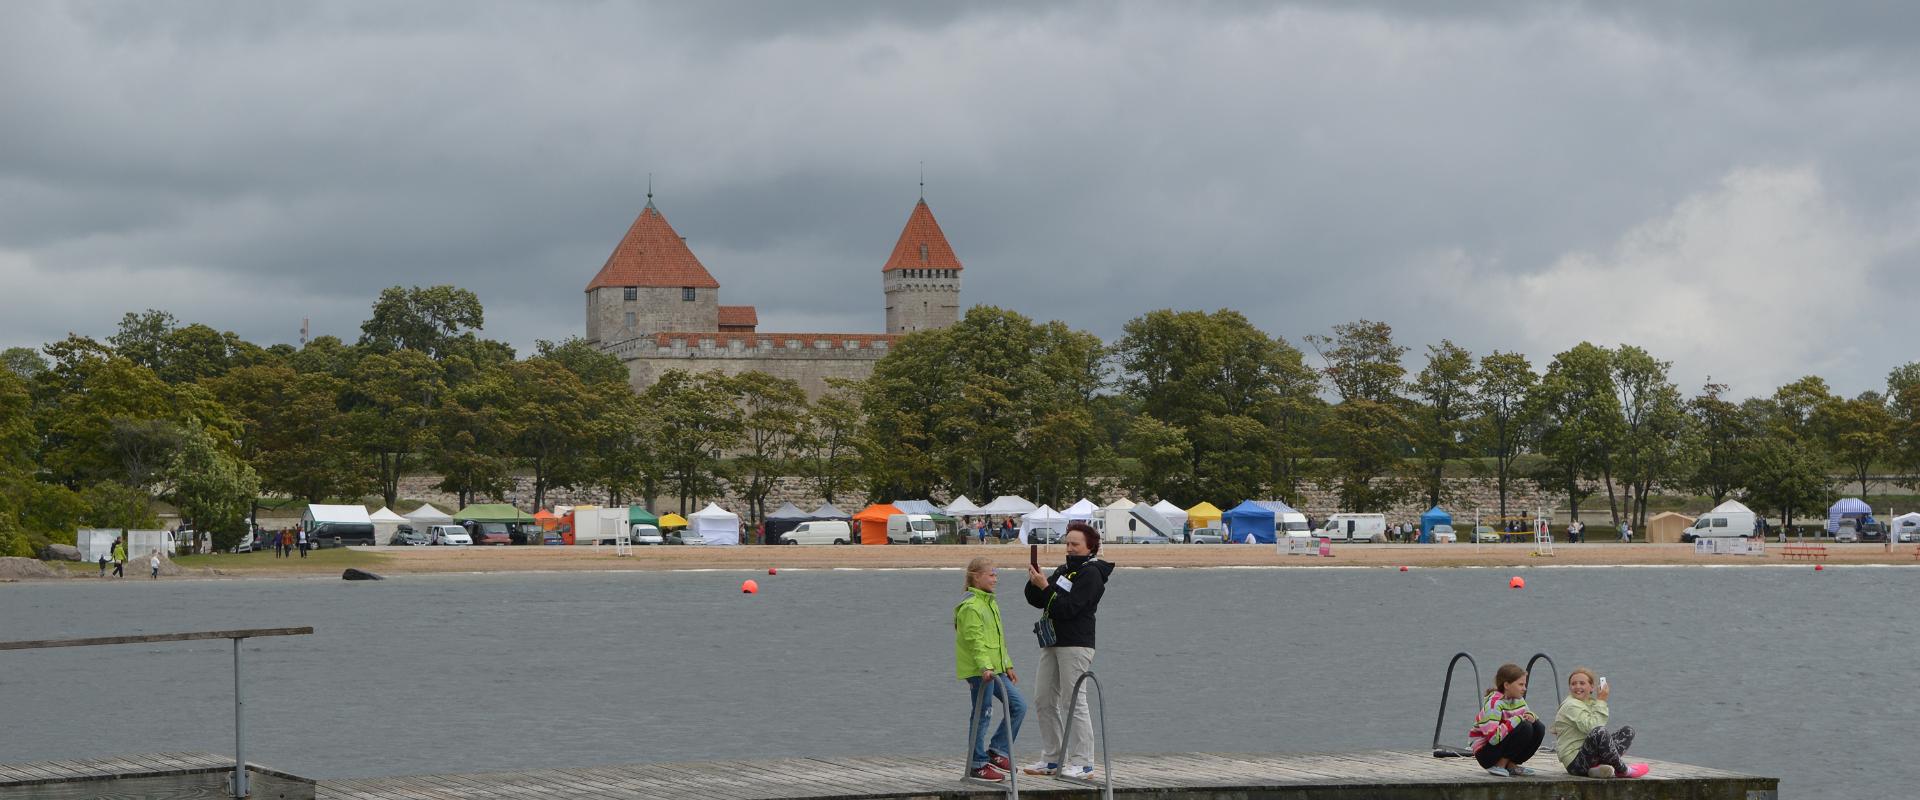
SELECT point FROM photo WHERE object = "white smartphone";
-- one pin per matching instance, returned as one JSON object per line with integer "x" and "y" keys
{"x": 1603, "y": 681}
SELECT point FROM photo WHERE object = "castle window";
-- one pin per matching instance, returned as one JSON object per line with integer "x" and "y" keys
{"x": 687, "y": 293}
{"x": 630, "y": 294}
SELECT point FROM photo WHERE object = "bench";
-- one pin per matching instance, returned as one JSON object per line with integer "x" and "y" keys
{"x": 1809, "y": 552}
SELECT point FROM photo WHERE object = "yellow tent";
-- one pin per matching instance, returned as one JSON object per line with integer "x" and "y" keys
{"x": 672, "y": 521}
{"x": 1203, "y": 515}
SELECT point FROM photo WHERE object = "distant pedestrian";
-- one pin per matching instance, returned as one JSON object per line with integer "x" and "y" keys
{"x": 153, "y": 563}
{"x": 120, "y": 558}
{"x": 981, "y": 659}
{"x": 103, "y": 564}
{"x": 1626, "y": 531}
{"x": 300, "y": 535}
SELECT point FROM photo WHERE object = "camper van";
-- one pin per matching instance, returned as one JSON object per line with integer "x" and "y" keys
{"x": 1727, "y": 519}
{"x": 338, "y": 526}
{"x": 911, "y": 529}
{"x": 1356, "y": 527}
{"x": 819, "y": 531}
{"x": 1293, "y": 525}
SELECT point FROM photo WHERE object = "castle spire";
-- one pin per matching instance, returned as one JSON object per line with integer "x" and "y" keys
{"x": 922, "y": 245}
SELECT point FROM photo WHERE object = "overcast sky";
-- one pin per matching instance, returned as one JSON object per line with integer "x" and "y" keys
{"x": 1733, "y": 186}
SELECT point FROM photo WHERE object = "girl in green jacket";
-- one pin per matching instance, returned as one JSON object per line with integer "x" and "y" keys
{"x": 980, "y": 658}
{"x": 1581, "y": 738}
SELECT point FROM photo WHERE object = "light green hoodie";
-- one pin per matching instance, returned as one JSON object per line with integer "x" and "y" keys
{"x": 1572, "y": 723}
{"x": 979, "y": 641}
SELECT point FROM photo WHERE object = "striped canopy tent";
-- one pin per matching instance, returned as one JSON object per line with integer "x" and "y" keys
{"x": 872, "y": 522}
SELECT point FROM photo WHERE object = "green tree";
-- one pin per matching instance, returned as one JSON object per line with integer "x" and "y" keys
{"x": 470, "y": 437}
{"x": 1506, "y": 381}
{"x": 830, "y": 444}
{"x": 428, "y": 320}
{"x": 24, "y": 362}
{"x": 1369, "y": 427}
{"x": 550, "y": 417}
{"x": 1858, "y": 433}
{"x": 1725, "y": 436}
{"x": 194, "y": 352}
{"x": 144, "y": 338}
{"x": 591, "y": 364}
{"x": 773, "y": 414}
{"x": 1786, "y": 477}
{"x": 623, "y": 459}
{"x": 87, "y": 392}
{"x": 1164, "y": 456}
{"x": 293, "y": 431}
{"x": 391, "y": 406}
{"x": 701, "y": 412}
{"x": 1656, "y": 436}
{"x": 325, "y": 355}
{"x": 213, "y": 489}
{"x": 1577, "y": 421}
{"x": 1448, "y": 388}
{"x": 117, "y": 505}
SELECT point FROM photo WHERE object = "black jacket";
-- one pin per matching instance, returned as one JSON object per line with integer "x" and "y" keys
{"x": 1072, "y": 610}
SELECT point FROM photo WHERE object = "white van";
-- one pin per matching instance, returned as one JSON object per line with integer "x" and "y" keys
{"x": 1727, "y": 519}
{"x": 820, "y": 531}
{"x": 911, "y": 529}
{"x": 448, "y": 535}
{"x": 1356, "y": 527}
{"x": 1293, "y": 525}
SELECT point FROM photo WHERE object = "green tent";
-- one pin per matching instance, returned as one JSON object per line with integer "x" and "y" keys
{"x": 492, "y": 512}
{"x": 639, "y": 514}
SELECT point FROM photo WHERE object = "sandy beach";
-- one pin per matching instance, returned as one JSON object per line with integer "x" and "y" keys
{"x": 431, "y": 560}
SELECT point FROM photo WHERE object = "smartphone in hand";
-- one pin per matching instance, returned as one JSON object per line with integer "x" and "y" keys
{"x": 1033, "y": 555}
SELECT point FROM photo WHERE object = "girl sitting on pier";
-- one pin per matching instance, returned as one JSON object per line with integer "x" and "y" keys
{"x": 1506, "y": 733}
{"x": 1580, "y": 734}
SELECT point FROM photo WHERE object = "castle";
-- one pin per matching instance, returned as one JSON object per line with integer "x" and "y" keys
{"x": 657, "y": 307}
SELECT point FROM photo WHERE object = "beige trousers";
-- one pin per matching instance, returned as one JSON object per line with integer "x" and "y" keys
{"x": 1059, "y": 668}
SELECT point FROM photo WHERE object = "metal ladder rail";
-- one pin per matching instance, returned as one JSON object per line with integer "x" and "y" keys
{"x": 1066, "y": 738}
{"x": 1559, "y": 690}
{"x": 1446, "y": 688}
{"x": 1000, "y": 690}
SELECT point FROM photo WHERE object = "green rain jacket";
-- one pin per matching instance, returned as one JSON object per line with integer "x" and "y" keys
{"x": 1571, "y": 725}
{"x": 979, "y": 641}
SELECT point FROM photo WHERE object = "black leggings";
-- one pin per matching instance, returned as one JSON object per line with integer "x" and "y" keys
{"x": 1601, "y": 747}
{"x": 1517, "y": 746}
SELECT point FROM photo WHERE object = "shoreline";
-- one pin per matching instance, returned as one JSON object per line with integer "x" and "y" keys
{"x": 393, "y": 561}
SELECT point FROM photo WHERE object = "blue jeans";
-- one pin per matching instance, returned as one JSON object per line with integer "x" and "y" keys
{"x": 1016, "y": 705}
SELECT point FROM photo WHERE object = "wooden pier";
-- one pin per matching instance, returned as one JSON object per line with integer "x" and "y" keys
{"x": 154, "y": 776}
{"x": 1374, "y": 775}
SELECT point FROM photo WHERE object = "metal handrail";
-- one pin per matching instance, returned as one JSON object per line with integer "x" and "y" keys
{"x": 1066, "y": 738}
{"x": 239, "y": 786}
{"x": 1559, "y": 693}
{"x": 973, "y": 735}
{"x": 1446, "y": 689}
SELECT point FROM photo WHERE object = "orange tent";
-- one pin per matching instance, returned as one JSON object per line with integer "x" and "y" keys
{"x": 546, "y": 519}
{"x": 873, "y": 522}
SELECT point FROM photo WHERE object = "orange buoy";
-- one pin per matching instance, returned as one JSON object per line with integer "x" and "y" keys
{"x": 750, "y": 587}
{"x": 773, "y": 571}
{"x": 1517, "y": 583}
{"x": 1818, "y": 567}
{"x": 1403, "y": 569}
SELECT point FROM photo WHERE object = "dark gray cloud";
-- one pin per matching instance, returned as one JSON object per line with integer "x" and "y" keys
{"x": 1508, "y": 175}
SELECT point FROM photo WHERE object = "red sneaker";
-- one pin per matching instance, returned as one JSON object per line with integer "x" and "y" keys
{"x": 1002, "y": 762}
{"x": 989, "y": 772}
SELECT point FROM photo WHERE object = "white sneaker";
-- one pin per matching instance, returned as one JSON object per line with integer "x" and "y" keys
{"x": 1600, "y": 771}
{"x": 1041, "y": 768}
{"x": 1077, "y": 771}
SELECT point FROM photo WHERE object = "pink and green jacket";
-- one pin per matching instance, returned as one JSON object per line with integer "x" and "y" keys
{"x": 1498, "y": 715}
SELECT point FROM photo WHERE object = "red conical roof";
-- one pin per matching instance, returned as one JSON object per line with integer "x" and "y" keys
{"x": 922, "y": 245}
{"x": 652, "y": 254}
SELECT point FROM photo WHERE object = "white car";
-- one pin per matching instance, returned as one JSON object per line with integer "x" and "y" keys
{"x": 647, "y": 534}
{"x": 449, "y": 535}
{"x": 1444, "y": 533}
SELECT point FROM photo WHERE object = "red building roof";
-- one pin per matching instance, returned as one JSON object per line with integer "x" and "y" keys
{"x": 738, "y": 317}
{"x": 652, "y": 254}
{"x": 922, "y": 245}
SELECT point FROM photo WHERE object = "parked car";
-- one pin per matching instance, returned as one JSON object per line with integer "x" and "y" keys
{"x": 1846, "y": 533}
{"x": 448, "y": 535}
{"x": 647, "y": 534}
{"x": 821, "y": 531}
{"x": 1206, "y": 536}
{"x": 495, "y": 533}
{"x": 1873, "y": 532}
{"x": 1908, "y": 535}
{"x": 1045, "y": 536}
{"x": 245, "y": 545}
{"x": 552, "y": 538}
{"x": 1445, "y": 534}
{"x": 410, "y": 538}
{"x": 1486, "y": 533}
{"x": 1145, "y": 537}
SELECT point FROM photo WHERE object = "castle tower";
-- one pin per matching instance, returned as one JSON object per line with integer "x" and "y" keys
{"x": 652, "y": 283}
{"x": 922, "y": 278}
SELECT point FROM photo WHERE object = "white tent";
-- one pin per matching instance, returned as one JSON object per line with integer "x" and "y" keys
{"x": 1175, "y": 515}
{"x": 1007, "y": 505}
{"x": 1042, "y": 517}
{"x": 1121, "y": 504}
{"x": 962, "y": 507}
{"x": 714, "y": 525}
{"x": 385, "y": 524}
{"x": 428, "y": 515}
{"x": 1083, "y": 510}
{"x": 1731, "y": 507}
{"x": 1905, "y": 523}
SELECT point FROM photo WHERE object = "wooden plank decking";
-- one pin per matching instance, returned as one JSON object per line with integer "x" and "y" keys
{"x": 154, "y": 776}
{"x": 1385, "y": 775}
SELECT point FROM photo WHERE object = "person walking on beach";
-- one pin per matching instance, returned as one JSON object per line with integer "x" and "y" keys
{"x": 153, "y": 563}
{"x": 103, "y": 564}
{"x": 1506, "y": 733}
{"x": 300, "y": 535}
{"x": 1626, "y": 531}
{"x": 1068, "y": 599}
{"x": 980, "y": 658}
{"x": 1580, "y": 735}
{"x": 120, "y": 558}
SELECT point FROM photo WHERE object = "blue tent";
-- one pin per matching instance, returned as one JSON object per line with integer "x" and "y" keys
{"x": 1847, "y": 507}
{"x": 1434, "y": 516}
{"x": 1250, "y": 518}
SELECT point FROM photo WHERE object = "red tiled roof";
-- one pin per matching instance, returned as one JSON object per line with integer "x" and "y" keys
{"x": 922, "y": 235}
{"x": 652, "y": 254}
{"x": 738, "y": 316}
{"x": 722, "y": 338}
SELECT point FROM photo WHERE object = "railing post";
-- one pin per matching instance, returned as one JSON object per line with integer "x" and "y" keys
{"x": 1066, "y": 736}
{"x": 240, "y": 788}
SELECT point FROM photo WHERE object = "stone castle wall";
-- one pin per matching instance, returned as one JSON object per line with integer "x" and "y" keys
{"x": 917, "y": 301}
{"x": 654, "y": 309}
{"x": 807, "y": 359}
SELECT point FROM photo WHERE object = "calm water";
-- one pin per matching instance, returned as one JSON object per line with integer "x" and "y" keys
{"x": 1775, "y": 671}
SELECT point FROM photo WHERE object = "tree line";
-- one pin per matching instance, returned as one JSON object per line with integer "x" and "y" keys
{"x": 1184, "y": 405}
